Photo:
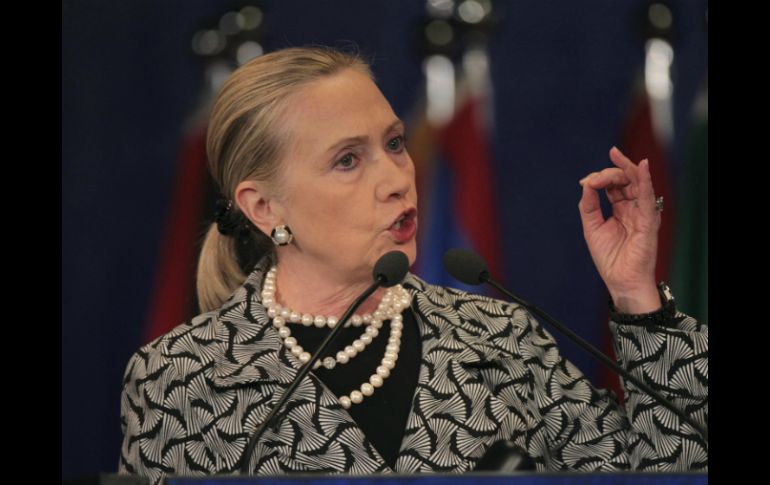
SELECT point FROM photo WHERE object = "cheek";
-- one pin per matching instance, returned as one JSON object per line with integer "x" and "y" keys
{"x": 336, "y": 217}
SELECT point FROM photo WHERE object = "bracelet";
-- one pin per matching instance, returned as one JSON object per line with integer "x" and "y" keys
{"x": 664, "y": 316}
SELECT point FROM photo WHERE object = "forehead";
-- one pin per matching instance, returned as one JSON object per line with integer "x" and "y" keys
{"x": 342, "y": 105}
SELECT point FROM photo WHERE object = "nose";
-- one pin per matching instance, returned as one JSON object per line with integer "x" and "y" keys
{"x": 395, "y": 176}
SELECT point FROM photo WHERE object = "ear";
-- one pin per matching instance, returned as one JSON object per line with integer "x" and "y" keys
{"x": 263, "y": 210}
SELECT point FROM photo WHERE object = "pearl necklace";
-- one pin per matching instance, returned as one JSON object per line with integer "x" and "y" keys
{"x": 390, "y": 308}
{"x": 283, "y": 315}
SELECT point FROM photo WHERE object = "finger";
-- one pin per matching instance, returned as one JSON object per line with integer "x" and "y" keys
{"x": 615, "y": 195}
{"x": 623, "y": 162}
{"x": 590, "y": 210}
{"x": 618, "y": 193}
{"x": 609, "y": 177}
{"x": 646, "y": 191}
{"x": 619, "y": 158}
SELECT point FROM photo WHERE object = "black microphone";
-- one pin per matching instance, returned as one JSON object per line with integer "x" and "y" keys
{"x": 468, "y": 267}
{"x": 389, "y": 270}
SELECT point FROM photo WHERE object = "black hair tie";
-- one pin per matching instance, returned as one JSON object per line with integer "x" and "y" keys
{"x": 227, "y": 221}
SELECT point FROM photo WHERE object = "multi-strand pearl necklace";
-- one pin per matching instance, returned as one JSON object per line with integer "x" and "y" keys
{"x": 390, "y": 308}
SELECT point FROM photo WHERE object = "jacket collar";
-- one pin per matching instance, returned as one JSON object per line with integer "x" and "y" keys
{"x": 245, "y": 336}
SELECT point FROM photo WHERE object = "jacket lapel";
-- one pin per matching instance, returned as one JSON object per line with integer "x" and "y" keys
{"x": 316, "y": 434}
{"x": 455, "y": 416}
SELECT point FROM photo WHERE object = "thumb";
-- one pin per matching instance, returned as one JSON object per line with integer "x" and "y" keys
{"x": 590, "y": 210}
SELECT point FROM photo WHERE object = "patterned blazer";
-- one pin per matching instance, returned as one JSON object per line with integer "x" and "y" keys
{"x": 489, "y": 371}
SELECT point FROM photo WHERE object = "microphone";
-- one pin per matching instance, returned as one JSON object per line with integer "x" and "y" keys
{"x": 469, "y": 268}
{"x": 388, "y": 271}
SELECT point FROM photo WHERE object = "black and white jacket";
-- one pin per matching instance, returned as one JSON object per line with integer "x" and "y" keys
{"x": 489, "y": 371}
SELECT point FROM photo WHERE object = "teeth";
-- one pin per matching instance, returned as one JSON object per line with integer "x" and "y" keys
{"x": 400, "y": 222}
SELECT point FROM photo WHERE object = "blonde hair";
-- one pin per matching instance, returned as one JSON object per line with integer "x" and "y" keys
{"x": 245, "y": 142}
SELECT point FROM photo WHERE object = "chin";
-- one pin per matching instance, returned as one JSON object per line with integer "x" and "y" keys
{"x": 410, "y": 249}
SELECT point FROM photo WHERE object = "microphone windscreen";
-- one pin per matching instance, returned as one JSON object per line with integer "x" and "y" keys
{"x": 466, "y": 266}
{"x": 391, "y": 268}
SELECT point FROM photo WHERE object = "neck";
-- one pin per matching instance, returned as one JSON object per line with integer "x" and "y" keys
{"x": 313, "y": 289}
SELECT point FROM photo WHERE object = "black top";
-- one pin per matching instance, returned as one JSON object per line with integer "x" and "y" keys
{"x": 382, "y": 416}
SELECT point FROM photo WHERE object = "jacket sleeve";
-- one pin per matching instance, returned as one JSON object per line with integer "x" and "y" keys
{"x": 154, "y": 412}
{"x": 673, "y": 360}
{"x": 579, "y": 427}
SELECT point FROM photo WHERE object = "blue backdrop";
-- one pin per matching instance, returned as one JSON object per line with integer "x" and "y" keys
{"x": 562, "y": 73}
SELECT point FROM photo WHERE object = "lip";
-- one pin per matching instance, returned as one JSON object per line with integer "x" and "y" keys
{"x": 408, "y": 226}
{"x": 409, "y": 212}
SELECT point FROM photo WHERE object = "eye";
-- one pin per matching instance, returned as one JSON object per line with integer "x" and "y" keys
{"x": 398, "y": 143}
{"x": 346, "y": 163}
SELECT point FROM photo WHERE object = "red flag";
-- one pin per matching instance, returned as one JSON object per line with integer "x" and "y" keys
{"x": 172, "y": 299}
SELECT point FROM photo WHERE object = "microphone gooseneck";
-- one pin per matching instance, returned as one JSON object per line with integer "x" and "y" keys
{"x": 468, "y": 267}
{"x": 389, "y": 270}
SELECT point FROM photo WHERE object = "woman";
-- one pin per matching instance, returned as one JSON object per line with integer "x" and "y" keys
{"x": 308, "y": 151}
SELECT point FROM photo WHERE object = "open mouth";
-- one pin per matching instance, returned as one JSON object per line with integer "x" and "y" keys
{"x": 405, "y": 226}
{"x": 405, "y": 217}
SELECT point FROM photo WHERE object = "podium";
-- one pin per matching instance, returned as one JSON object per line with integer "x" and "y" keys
{"x": 566, "y": 478}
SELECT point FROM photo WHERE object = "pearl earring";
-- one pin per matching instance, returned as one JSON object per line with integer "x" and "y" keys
{"x": 281, "y": 235}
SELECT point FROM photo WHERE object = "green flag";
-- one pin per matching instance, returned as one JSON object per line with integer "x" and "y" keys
{"x": 689, "y": 270}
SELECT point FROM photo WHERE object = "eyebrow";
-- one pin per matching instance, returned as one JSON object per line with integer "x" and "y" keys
{"x": 364, "y": 138}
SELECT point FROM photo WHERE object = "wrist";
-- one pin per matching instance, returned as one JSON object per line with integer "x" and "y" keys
{"x": 663, "y": 315}
{"x": 646, "y": 300}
